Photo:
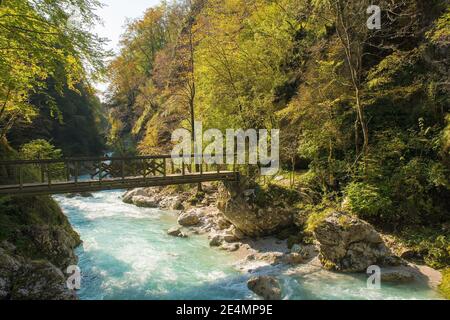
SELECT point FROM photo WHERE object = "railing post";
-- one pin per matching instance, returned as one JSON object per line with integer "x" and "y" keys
{"x": 76, "y": 171}
{"x": 122, "y": 170}
{"x": 42, "y": 173}
{"x": 100, "y": 171}
{"x": 165, "y": 167}
{"x": 20, "y": 177}
{"x": 49, "y": 177}
{"x": 172, "y": 166}
{"x": 67, "y": 165}
{"x": 144, "y": 169}
{"x": 183, "y": 170}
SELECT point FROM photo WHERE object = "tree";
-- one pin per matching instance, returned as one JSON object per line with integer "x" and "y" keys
{"x": 37, "y": 38}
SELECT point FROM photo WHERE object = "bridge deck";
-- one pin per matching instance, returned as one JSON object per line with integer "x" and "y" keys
{"x": 115, "y": 183}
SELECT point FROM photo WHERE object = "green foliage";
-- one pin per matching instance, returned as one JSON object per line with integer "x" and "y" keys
{"x": 41, "y": 40}
{"x": 431, "y": 244}
{"x": 316, "y": 216}
{"x": 39, "y": 149}
{"x": 367, "y": 200}
{"x": 445, "y": 284}
{"x": 272, "y": 193}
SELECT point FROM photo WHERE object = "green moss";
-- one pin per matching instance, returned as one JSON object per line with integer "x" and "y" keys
{"x": 316, "y": 217}
{"x": 444, "y": 288}
{"x": 270, "y": 194}
{"x": 19, "y": 213}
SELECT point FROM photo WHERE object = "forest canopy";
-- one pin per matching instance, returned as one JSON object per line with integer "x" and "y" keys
{"x": 364, "y": 111}
{"x": 46, "y": 53}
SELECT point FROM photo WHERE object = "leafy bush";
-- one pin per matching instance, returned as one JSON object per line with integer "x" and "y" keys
{"x": 39, "y": 149}
{"x": 432, "y": 245}
{"x": 316, "y": 217}
{"x": 445, "y": 285}
{"x": 366, "y": 200}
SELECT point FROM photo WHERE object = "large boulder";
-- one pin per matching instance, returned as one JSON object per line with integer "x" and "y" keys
{"x": 396, "y": 276}
{"x": 22, "y": 279}
{"x": 128, "y": 196}
{"x": 240, "y": 206}
{"x": 145, "y": 202}
{"x": 41, "y": 280}
{"x": 349, "y": 244}
{"x": 54, "y": 243}
{"x": 266, "y": 287}
{"x": 189, "y": 218}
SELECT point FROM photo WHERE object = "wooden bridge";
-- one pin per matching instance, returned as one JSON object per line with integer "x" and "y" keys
{"x": 77, "y": 175}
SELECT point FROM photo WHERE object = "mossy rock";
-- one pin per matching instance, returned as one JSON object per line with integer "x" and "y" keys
{"x": 38, "y": 229}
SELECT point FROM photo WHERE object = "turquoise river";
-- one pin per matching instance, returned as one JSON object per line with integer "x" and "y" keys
{"x": 126, "y": 254}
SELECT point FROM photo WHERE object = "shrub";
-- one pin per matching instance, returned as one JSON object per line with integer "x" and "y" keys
{"x": 430, "y": 244}
{"x": 366, "y": 200}
{"x": 39, "y": 149}
{"x": 445, "y": 285}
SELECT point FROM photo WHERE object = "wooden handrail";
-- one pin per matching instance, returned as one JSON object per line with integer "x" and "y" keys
{"x": 93, "y": 159}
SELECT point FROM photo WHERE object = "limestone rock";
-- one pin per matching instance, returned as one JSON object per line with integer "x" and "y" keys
{"x": 54, "y": 243}
{"x": 40, "y": 280}
{"x": 21, "y": 279}
{"x": 231, "y": 247}
{"x": 189, "y": 219}
{"x": 216, "y": 240}
{"x": 248, "y": 216}
{"x": 176, "y": 232}
{"x": 223, "y": 224}
{"x": 396, "y": 276}
{"x": 266, "y": 287}
{"x": 128, "y": 196}
{"x": 350, "y": 244}
{"x": 145, "y": 202}
{"x": 293, "y": 258}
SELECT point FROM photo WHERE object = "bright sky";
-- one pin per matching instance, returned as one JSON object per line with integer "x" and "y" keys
{"x": 114, "y": 15}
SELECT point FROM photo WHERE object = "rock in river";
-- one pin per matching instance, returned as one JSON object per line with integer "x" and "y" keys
{"x": 145, "y": 202}
{"x": 176, "y": 232}
{"x": 189, "y": 218}
{"x": 266, "y": 287}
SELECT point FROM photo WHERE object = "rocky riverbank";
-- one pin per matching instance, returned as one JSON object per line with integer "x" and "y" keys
{"x": 265, "y": 229}
{"x": 36, "y": 246}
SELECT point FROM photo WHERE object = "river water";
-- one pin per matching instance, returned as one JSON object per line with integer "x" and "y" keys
{"x": 126, "y": 254}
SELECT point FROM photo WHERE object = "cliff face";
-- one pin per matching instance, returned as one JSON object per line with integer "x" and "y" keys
{"x": 36, "y": 246}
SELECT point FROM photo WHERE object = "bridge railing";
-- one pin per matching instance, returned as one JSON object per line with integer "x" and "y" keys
{"x": 75, "y": 170}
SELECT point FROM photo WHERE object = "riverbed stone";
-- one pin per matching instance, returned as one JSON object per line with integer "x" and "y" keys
{"x": 266, "y": 287}
{"x": 176, "y": 232}
{"x": 145, "y": 202}
{"x": 231, "y": 247}
{"x": 216, "y": 240}
{"x": 396, "y": 276}
{"x": 128, "y": 196}
{"x": 293, "y": 258}
{"x": 189, "y": 218}
{"x": 349, "y": 244}
{"x": 249, "y": 216}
